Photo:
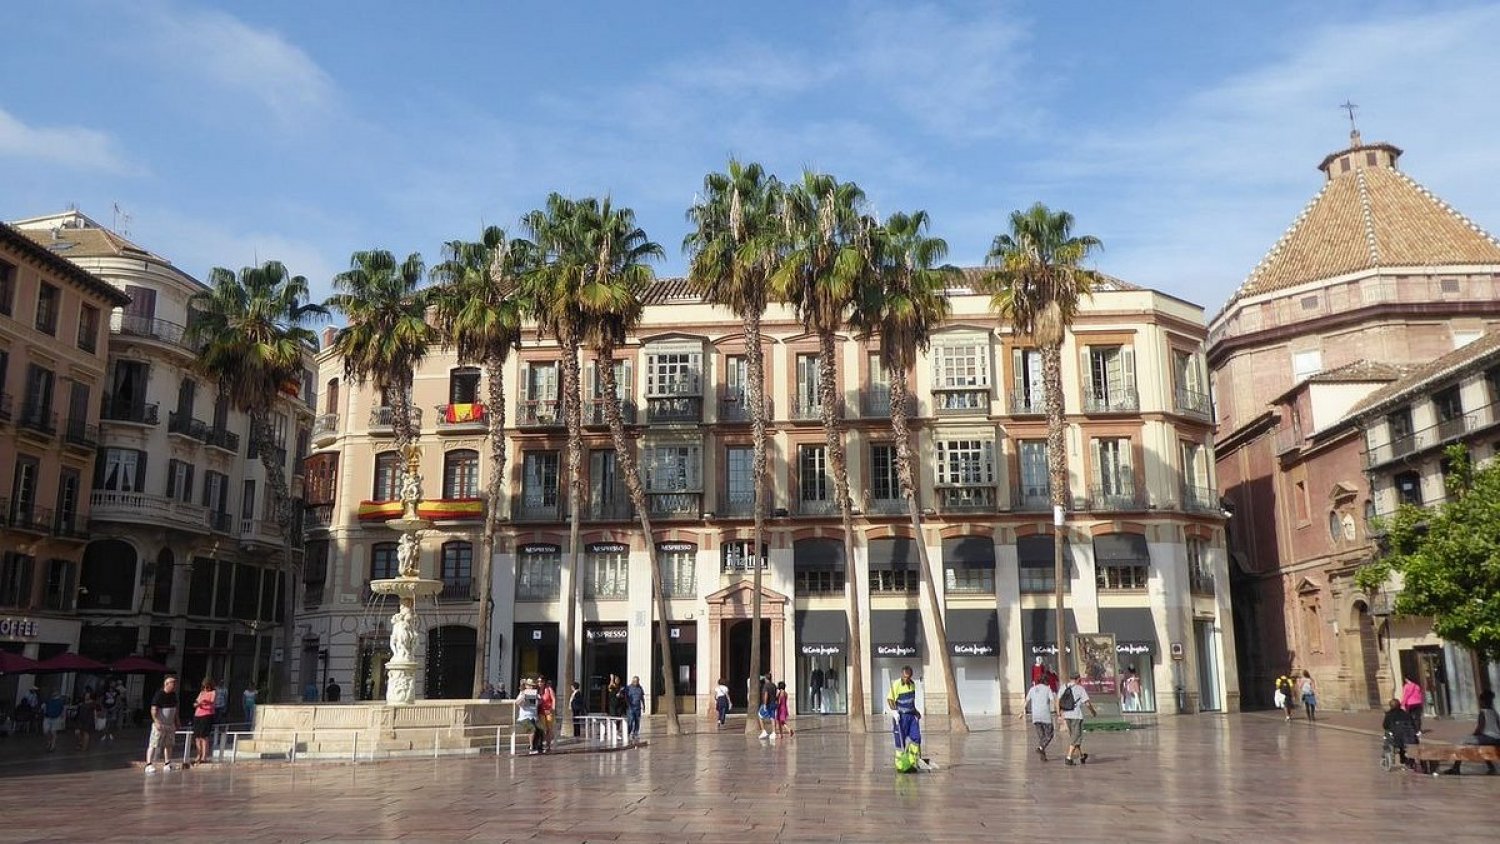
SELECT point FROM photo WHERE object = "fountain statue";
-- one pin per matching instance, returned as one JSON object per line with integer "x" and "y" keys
{"x": 401, "y": 669}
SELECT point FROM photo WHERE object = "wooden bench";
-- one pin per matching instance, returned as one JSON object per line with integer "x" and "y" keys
{"x": 1432, "y": 753}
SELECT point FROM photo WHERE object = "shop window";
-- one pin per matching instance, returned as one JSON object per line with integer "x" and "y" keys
{"x": 737, "y": 555}
{"x": 538, "y": 573}
{"x": 679, "y": 569}
{"x": 608, "y": 573}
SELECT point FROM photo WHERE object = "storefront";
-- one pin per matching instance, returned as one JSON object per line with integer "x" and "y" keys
{"x": 1039, "y": 638}
{"x": 974, "y": 643}
{"x": 536, "y": 652}
{"x": 39, "y": 639}
{"x": 895, "y": 642}
{"x": 605, "y": 652}
{"x": 684, "y": 645}
{"x": 822, "y": 662}
{"x": 1139, "y": 654}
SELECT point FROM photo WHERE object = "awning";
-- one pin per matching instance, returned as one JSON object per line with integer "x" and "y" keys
{"x": 973, "y": 632}
{"x": 818, "y": 555}
{"x": 1038, "y": 630}
{"x": 15, "y": 663}
{"x": 821, "y": 627}
{"x": 971, "y": 552}
{"x": 893, "y": 554}
{"x": 1130, "y": 625}
{"x": 1036, "y": 550}
{"x": 1128, "y": 548}
{"x": 65, "y": 662}
{"x": 138, "y": 665}
{"x": 896, "y": 633}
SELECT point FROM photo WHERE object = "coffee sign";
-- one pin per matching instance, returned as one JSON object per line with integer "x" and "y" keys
{"x": 19, "y": 628}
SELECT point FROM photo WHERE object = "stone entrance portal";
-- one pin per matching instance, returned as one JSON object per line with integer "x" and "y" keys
{"x": 729, "y": 638}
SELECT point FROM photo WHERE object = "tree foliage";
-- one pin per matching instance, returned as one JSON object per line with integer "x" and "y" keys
{"x": 1445, "y": 559}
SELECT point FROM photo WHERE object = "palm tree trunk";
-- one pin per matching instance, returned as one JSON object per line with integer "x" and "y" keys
{"x": 262, "y": 435}
{"x": 625, "y": 462}
{"x": 403, "y": 425}
{"x": 754, "y": 361}
{"x": 573, "y": 418}
{"x": 1057, "y": 471}
{"x": 828, "y": 389}
{"x": 495, "y": 411}
{"x": 901, "y": 426}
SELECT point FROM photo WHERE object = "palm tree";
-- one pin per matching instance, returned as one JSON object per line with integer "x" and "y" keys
{"x": 612, "y": 298}
{"x": 253, "y": 338}
{"x": 388, "y": 333}
{"x": 732, "y": 250}
{"x": 1037, "y": 284}
{"x": 551, "y": 288}
{"x": 823, "y": 261}
{"x": 480, "y": 309}
{"x": 907, "y": 301}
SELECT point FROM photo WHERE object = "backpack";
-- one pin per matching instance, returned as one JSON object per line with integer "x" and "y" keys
{"x": 1067, "y": 703}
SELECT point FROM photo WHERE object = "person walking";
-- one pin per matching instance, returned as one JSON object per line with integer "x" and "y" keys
{"x": 1486, "y": 731}
{"x": 578, "y": 709}
{"x": 203, "y": 720}
{"x": 766, "y": 711}
{"x": 1071, "y": 702}
{"x": 163, "y": 725}
{"x": 614, "y": 697}
{"x": 90, "y": 720}
{"x": 548, "y": 712}
{"x": 527, "y": 702}
{"x": 782, "y": 711}
{"x": 906, "y": 726}
{"x": 334, "y": 691}
{"x": 248, "y": 701}
{"x": 721, "y": 701}
{"x": 1309, "y": 694}
{"x": 1412, "y": 700}
{"x": 109, "y": 702}
{"x": 1041, "y": 705}
{"x": 54, "y": 717}
{"x": 1283, "y": 696}
{"x": 635, "y": 701}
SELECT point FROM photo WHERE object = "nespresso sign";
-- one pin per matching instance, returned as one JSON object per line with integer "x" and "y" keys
{"x": 608, "y": 548}
{"x": 670, "y": 547}
{"x": 541, "y": 548}
{"x": 606, "y": 634}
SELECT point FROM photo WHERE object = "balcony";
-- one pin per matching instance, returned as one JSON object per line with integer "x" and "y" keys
{"x": 535, "y": 512}
{"x": 1199, "y": 499}
{"x": 39, "y": 422}
{"x": 1201, "y": 581}
{"x": 875, "y": 403}
{"x": 139, "y": 507}
{"x": 80, "y": 434}
{"x": 220, "y": 522}
{"x": 886, "y": 503}
{"x": 325, "y": 430}
{"x": 961, "y": 401}
{"x": 966, "y": 499}
{"x": 811, "y": 410}
{"x": 738, "y": 503}
{"x": 67, "y": 525}
{"x": 22, "y": 516}
{"x": 6, "y": 405}
{"x": 1115, "y": 498}
{"x": 226, "y": 440}
{"x": 1028, "y": 402}
{"x": 184, "y": 425}
{"x": 616, "y": 509}
{"x": 594, "y": 413}
{"x": 138, "y": 413}
{"x": 1456, "y": 426}
{"x": 458, "y": 589}
{"x": 1098, "y": 399}
{"x": 318, "y": 517}
{"x": 1288, "y": 438}
{"x": 460, "y": 418}
{"x": 149, "y": 328}
{"x": 539, "y": 413}
{"x": 674, "y": 410}
{"x": 1031, "y": 498}
{"x": 382, "y": 419}
{"x": 734, "y": 408}
{"x": 675, "y": 505}
{"x": 1193, "y": 403}
{"x": 259, "y": 531}
{"x": 817, "y": 507}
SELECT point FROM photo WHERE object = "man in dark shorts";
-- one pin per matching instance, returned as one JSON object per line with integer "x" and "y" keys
{"x": 163, "y": 725}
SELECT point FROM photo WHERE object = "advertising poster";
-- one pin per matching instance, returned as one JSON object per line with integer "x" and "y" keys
{"x": 1094, "y": 658}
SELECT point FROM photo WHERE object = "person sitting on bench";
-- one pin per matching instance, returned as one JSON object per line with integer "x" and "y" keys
{"x": 1486, "y": 732}
{"x": 1400, "y": 730}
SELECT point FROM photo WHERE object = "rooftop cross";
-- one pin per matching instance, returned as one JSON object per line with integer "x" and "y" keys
{"x": 1351, "y": 108}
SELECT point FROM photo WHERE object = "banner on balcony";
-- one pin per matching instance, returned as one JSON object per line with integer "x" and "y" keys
{"x": 458, "y": 414}
{"x": 452, "y": 509}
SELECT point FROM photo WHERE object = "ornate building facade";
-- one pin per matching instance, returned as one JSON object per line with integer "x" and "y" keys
{"x": 1144, "y": 538}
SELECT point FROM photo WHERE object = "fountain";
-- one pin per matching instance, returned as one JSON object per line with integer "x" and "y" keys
{"x": 408, "y": 586}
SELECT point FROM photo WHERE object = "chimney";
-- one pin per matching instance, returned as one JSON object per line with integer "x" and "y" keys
{"x": 329, "y": 332}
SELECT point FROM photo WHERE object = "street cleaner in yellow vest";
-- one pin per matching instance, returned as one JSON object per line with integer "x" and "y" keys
{"x": 905, "y": 723}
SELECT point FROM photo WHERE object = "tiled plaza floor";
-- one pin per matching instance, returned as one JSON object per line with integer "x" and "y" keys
{"x": 1243, "y": 777}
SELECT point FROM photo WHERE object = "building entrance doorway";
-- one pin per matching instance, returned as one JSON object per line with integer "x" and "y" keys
{"x": 736, "y": 658}
{"x": 1368, "y": 657}
{"x": 450, "y": 662}
{"x": 1428, "y": 667}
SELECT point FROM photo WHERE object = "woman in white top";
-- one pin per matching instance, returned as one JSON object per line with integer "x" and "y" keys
{"x": 721, "y": 700}
{"x": 1486, "y": 730}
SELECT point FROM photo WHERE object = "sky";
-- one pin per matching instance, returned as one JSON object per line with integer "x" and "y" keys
{"x": 1184, "y": 135}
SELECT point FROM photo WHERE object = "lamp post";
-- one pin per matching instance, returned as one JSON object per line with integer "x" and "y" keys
{"x": 255, "y": 627}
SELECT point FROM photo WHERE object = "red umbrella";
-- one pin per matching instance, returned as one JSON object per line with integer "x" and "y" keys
{"x": 15, "y": 663}
{"x": 138, "y": 665}
{"x": 69, "y": 662}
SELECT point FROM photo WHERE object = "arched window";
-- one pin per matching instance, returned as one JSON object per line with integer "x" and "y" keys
{"x": 387, "y": 476}
{"x": 383, "y": 564}
{"x": 461, "y": 474}
{"x": 1335, "y": 526}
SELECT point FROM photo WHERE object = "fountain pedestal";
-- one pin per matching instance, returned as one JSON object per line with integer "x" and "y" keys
{"x": 401, "y": 669}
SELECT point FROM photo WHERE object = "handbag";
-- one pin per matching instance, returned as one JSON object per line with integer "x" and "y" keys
{"x": 100, "y": 724}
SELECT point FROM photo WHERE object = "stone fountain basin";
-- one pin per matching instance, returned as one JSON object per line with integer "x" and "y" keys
{"x": 406, "y": 587}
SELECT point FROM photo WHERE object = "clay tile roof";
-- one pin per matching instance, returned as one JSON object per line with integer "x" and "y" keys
{"x": 975, "y": 278}
{"x": 665, "y": 291}
{"x": 87, "y": 243}
{"x": 1360, "y": 371}
{"x": 1486, "y": 348}
{"x": 1369, "y": 217}
{"x": 24, "y": 243}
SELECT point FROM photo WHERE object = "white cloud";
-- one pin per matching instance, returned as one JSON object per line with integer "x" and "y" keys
{"x": 213, "y": 49}
{"x": 64, "y": 146}
{"x": 196, "y": 244}
{"x": 1195, "y": 196}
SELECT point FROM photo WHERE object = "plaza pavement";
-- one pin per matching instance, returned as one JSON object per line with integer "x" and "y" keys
{"x": 1206, "y": 778}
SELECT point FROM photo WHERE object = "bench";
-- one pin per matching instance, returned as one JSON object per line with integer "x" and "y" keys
{"x": 1455, "y": 753}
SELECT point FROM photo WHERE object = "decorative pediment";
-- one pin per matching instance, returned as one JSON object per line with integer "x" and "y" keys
{"x": 1307, "y": 587}
{"x": 1342, "y": 491}
{"x": 743, "y": 593}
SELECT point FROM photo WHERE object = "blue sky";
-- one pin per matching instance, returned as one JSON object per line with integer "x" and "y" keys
{"x": 1185, "y": 136}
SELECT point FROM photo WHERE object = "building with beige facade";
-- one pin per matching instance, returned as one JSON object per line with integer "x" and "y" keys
{"x": 1144, "y": 536}
{"x": 182, "y": 562}
{"x": 1375, "y": 275}
{"x": 53, "y": 318}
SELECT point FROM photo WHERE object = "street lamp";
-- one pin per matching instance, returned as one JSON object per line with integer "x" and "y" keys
{"x": 255, "y": 627}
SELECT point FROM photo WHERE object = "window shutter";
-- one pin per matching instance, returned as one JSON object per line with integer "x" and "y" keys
{"x": 591, "y": 380}
{"x": 523, "y": 390}
{"x": 172, "y": 479}
{"x": 695, "y": 468}
{"x": 138, "y": 481}
{"x": 1096, "y": 453}
{"x": 982, "y": 359}
{"x": 1085, "y": 371}
{"x": 623, "y": 383}
{"x": 989, "y": 461}
{"x": 187, "y": 482}
{"x": 1127, "y": 356}
{"x": 1018, "y": 380}
{"x": 596, "y": 477}
{"x": 1127, "y": 474}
